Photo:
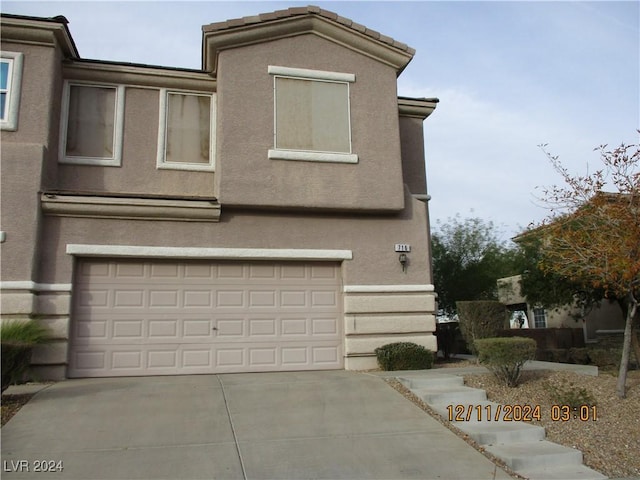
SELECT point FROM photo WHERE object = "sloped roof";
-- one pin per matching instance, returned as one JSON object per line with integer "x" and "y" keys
{"x": 282, "y": 23}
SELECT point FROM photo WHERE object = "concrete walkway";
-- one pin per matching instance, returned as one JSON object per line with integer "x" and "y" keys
{"x": 271, "y": 425}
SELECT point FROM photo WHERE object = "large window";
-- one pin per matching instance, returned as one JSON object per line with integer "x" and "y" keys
{"x": 540, "y": 317}
{"x": 92, "y": 122}
{"x": 10, "y": 81}
{"x": 311, "y": 115}
{"x": 185, "y": 131}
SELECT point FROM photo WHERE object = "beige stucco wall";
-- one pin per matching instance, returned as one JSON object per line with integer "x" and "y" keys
{"x": 245, "y": 131}
{"x": 413, "y": 164}
{"x": 26, "y": 159}
{"x": 371, "y": 238}
{"x": 138, "y": 172}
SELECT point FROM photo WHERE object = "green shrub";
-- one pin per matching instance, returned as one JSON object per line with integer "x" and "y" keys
{"x": 506, "y": 356}
{"x": 558, "y": 355}
{"x": 579, "y": 356}
{"x": 17, "y": 339}
{"x": 404, "y": 356}
{"x": 570, "y": 395}
{"x": 603, "y": 357}
{"x": 480, "y": 319}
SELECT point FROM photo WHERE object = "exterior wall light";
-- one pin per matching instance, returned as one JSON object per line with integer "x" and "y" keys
{"x": 403, "y": 259}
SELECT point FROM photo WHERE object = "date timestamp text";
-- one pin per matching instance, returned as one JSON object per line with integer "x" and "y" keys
{"x": 519, "y": 413}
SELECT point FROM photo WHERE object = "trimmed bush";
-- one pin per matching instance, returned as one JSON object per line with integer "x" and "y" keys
{"x": 603, "y": 357}
{"x": 506, "y": 356}
{"x": 579, "y": 356}
{"x": 404, "y": 356}
{"x": 480, "y": 319}
{"x": 558, "y": 355}
{"x": 17, "y": 338}
{"x": 571, "y": 395}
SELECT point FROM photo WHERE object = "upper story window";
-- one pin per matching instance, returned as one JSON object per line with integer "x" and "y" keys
{"x": 185, "y": 134}
{"x": 10, "y": 81}
{"x": 92, "y": 123}
{"x": 539, "y": 317}
{"x": 312, "y": 118}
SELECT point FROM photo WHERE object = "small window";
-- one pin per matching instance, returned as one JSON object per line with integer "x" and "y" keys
{"x": 311, "y": 115}
{"x": 92, "y": 122}
{"x": 10, "y": 82}
{"x": 540, "y": 317}
{"x": 185, "y": 131}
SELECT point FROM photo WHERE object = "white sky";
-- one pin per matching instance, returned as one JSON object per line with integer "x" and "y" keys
{"x": 509, "y": 76}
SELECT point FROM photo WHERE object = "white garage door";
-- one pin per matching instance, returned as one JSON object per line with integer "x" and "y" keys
{"x": 187, "y": 317}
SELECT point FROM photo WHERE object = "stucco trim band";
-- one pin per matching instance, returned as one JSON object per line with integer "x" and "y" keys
{"x": 130, "y": 208}
{"x": 207, "y": 252}
{"x": 277, "y": 154}
{"x": 388, "y": 288}
{"x": 311, "y": 74}
{"x": 35, "y": 287}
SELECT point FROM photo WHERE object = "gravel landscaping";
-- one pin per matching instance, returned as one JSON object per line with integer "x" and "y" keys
{"x": 610, "y": 444}
{"x": 12, "y": 403}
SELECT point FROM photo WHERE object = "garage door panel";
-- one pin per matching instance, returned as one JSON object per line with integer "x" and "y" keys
{"x": 167, "y": 318}
{"x": 198, "y": 299}
{"x": 129, "y": 299}
{"x": 164, "y": 298}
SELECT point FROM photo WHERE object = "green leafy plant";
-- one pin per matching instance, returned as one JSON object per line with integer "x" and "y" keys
{"x": 404, "y": 356}
{"x": 480, "y": 319}
{"x": 571, "y": 395}
{"x": 505, "y": 357}
{"x": 17, "y": 339}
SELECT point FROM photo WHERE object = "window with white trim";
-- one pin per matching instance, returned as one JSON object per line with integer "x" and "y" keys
{"x": 312, "y": 119}
{"x": 539, "y": 318}
{"x": 10, "y": 83}
{"x": 92, "y": 123}
{"x": 185, "y": 136}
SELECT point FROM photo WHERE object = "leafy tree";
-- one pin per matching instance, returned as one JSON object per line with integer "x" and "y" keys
{"x": 592, "y": 237}
{"x": 543, "y": 287}
{"x": 468, "y": 258}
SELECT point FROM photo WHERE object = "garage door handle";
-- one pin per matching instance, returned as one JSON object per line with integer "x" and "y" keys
{"x": 214, "y": 328}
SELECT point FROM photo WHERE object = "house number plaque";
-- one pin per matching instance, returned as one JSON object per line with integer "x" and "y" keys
{"x": 402, "y": 247}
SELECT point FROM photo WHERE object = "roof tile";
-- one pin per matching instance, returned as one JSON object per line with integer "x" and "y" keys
{"x": 328, "y": 14}
{"x": 344, "y": 21}
{"x": 296, "y": 11}
{"x": 359, "y": 28}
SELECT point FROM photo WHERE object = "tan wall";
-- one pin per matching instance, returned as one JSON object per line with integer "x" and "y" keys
{"x": 372, "y": 239}
{"x": 413, "y": 164}
{"x": 27, "y": 156}
{"x": 607, "y": 317}
{"x": 138, "y": 172}
{"x": 20, "y": 182}
{"x": 245, "y": 131}
{"x": 39, "y": 95}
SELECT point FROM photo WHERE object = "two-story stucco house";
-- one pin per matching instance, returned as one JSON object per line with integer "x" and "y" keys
{"x": 242, "y": 217}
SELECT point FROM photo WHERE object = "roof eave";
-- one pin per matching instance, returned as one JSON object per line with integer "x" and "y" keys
{"x": 417, "y": 107}
{"x": 216, "y": 40}
{"x": 43, "y": 31}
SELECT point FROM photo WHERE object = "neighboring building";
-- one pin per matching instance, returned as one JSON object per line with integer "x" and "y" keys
{"x": 242, "y": 217}
{"x": 606, "y": 317}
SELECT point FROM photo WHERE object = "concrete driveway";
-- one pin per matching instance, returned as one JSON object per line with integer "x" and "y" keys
{"x": 334, "y": 424}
